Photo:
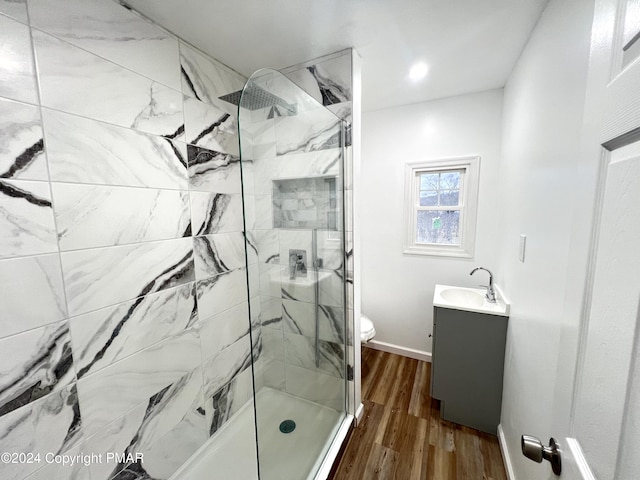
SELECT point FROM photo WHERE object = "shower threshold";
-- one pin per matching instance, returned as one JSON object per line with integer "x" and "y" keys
{"x": 231, "y": 453}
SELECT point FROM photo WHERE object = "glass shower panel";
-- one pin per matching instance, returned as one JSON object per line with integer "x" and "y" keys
{"x": 292, "y": 152}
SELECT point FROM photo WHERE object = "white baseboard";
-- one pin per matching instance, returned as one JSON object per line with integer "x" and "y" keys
{"x": 398, "y": 350}
{"x": 506, "y": 457}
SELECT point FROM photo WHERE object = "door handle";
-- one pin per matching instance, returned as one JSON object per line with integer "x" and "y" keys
{"x": 533, "y": 449}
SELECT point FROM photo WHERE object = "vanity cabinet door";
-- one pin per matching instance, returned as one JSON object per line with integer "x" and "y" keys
{"x": 467, "y": 367}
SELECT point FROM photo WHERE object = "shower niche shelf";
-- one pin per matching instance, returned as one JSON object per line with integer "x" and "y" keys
{"x": 307, "y": 202}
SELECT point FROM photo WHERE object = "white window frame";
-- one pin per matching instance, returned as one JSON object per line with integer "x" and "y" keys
{"x": 468, "y": 206}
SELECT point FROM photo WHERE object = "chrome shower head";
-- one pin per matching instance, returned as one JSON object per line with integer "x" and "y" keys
{"x": 256, "y": 98}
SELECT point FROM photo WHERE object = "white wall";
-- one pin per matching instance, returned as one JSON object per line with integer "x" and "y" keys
{"x": 542, "y": 128}
{"x": 397, "y": 289}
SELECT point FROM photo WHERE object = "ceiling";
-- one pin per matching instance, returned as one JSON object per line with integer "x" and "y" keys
{"x": 469, "y": 45}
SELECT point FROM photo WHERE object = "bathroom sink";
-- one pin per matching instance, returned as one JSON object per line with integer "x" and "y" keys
{"x": 470, "y": 299}
{"x": 463, "y": 297}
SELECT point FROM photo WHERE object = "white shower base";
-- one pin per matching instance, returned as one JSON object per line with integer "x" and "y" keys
{"x": 297, "y": 455}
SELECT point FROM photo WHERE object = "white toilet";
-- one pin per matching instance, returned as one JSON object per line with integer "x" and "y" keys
{"x": 367, "y": 330}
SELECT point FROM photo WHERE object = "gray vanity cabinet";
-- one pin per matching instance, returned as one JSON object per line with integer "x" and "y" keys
{"x": 467, "y": 366}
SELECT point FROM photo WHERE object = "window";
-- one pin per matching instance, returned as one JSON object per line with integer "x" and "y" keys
{"x": 440, "y": 206}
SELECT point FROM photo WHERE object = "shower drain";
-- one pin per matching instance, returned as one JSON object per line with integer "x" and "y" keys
{"x": 287, "y": 426}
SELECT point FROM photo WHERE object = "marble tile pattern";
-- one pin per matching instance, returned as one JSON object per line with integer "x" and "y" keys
{"x": 34, "y": 363}
{"x": 262, "y": 212}
{"x": 270, "y": 282}
{"x": 17, "y": 72}
{"x": 327, "y": 80}
{"x": 300, "y": 351}
{"x": 334, "y": 80}
{"x": 345, "y": 112}
{"x": 268, "y": 246}
{"x": 210, "y": 127}
{"x": 221, "y": 406}
{"x": 250, "y": 242}
{"x": 105, "y": 336}
{"x": 82, "y": 150}
{"x": 21, "y": 142}
{"x": 213, "y": 171}
{"x": 229, "y": 363}
{"x": 122, "y": 263}
{"x": 253, "y": 281}
{"x": 171, "y": 421}
{"x": 27, "y": 225}
{"x": 219, "y": 253}
{"x": 52, "y": 423}
{"x": 207, "y": 81}
{"x": 114, "y": 437}
{"x": 215, "y": 213}
{"x": 112, "y": 391}
{"x": 76, "y": 81}
{"x": 273, "y": 344}
{"x": 299, "y": 318}
{"x": 163, "y": 457}
{"x": 96, "y": 278}
{"x": 25, "y": 278}
{"x": 332, "y": 250}
{"x": 221, "y": 292}
{"x": 223, "y": 330}
{"x": 271, "y": 311}
{"x": 78, "y": 471}
{"x": 14, "y": 8}
{"x": 306, "y": 203}
{"x": 258, "y": 139}
{"x": 95, "y": 216}
{"x": 121, "y": 213}
{"x": 112, "y": 32}
{"x": 323, "y": 163}
{"x": 320, "y": 131}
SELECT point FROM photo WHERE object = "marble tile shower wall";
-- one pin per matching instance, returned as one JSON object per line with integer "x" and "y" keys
{"x": 124, "y": 321}
{"x": 330, "y": 81}
{"x": 286, "y": 148}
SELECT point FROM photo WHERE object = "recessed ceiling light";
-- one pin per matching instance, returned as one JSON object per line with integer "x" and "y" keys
{"x": 418, "y": 71}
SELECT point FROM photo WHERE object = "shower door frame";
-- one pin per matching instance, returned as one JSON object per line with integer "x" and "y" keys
{"x": 324, "y": 464}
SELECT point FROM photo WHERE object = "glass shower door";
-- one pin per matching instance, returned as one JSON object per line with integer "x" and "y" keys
{"x": 292, "y": 174}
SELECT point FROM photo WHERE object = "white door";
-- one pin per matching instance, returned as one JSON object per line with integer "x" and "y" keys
{"x": 604, "y": 437}
{"x": 606, "y": 405}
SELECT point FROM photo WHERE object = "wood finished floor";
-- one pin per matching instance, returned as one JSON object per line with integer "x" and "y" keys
{"x": 401, "y": 435}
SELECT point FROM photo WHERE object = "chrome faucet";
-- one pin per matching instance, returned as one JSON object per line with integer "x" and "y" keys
{"x": 297, "y": 264}
{"x": 491, "y": 293}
